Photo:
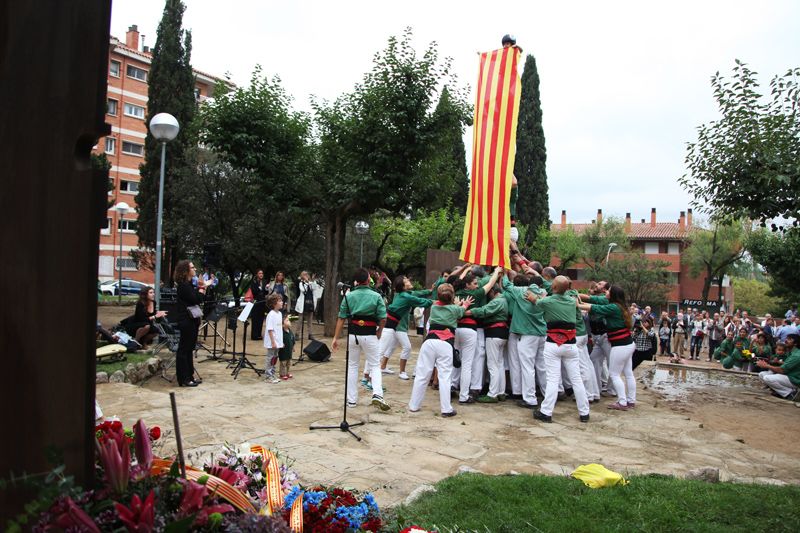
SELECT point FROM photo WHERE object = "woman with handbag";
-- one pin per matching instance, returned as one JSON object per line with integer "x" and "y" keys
{"x": 189, "y": 312}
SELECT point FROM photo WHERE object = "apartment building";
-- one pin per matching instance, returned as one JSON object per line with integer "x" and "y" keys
{"x": 128, "y": 68}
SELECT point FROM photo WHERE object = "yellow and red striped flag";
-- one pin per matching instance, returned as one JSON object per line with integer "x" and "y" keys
{"x": 488, "y": 222}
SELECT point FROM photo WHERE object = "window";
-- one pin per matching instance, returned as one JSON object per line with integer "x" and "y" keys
{"x": 651, "y": 248}
{"x": 111, "y": 145}
{"x": 112, "y": 107}
{"x": 113, "y": 69}
{"x": 106, "y": 230}
{"x": 126, "y": 226}
{"x": 674, "y": 248}
{"x": 127, "y": 263}
{"x": 132, "y": 148}
{"x": 129, "y": 186}
{"x": 136, "y": 73}
{"x": 133, "y": 110}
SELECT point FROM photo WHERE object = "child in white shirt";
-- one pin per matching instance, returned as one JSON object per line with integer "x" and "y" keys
{"x": 273, "y": 335}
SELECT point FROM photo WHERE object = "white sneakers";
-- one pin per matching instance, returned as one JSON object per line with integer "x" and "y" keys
{"x": 380, "y": 403}
{"x": 403, "y": 375}
{"x": 387, "y": 370}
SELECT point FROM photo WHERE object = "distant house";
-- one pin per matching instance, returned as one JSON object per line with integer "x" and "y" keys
{"x": 662, "y": 241}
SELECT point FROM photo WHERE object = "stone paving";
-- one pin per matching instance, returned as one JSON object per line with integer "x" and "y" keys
{"x": 402, "y": 450}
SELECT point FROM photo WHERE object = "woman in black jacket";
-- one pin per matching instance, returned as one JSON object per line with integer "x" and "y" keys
{"x": 189, "y": 311}
{"x": 259, "y": 290}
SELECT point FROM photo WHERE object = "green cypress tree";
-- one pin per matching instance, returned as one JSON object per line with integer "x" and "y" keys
{"x": 529, "y": 166}
{"x": 170, "y": 90}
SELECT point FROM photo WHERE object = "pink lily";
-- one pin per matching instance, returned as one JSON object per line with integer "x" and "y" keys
{"x": 139, "y": 517}
{"x": 116, "y": 461}
{"x": 75, "y": 518}
{"x": 224, "y": 473}
{"x": 142, "y": 447}
{"x": 192, "y": 500}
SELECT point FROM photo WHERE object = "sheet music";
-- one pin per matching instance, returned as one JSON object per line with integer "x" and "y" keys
{"x": 245, "y": 314}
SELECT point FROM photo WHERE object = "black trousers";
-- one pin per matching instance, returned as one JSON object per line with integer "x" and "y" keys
{"x": 712, "y": 347}
{"x": 184, "y": 366}
{"x": 257, "y": 316}
{"x": 638, "y": 357}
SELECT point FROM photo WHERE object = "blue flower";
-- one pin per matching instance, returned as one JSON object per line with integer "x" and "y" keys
{"x": 291, "y": 497}
{"x": 369, "y": 499}
{"x": 313, "y": 498}
{"x": 354, "y": 515}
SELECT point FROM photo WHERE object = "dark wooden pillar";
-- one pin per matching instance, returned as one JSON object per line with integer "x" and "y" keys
{"x": 53, "y": 62}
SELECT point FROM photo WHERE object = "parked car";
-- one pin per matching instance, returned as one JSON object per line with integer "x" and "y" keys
{"x": 129, "y": 286}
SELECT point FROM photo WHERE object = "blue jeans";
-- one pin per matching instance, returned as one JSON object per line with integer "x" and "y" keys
{"x": 694, "y": 349}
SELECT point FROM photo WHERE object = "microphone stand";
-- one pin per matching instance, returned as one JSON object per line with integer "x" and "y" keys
{"x": 344, "y": 425}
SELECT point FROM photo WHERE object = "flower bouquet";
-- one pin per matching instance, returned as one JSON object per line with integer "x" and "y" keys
{"x": 334, "y": 510}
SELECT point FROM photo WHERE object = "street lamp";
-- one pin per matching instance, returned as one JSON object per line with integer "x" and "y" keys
{"x": 610, "y": 246}
{"x": 362, "y": 228}
{"x": 121, "y": 208}
{"x": 164, "y": 127}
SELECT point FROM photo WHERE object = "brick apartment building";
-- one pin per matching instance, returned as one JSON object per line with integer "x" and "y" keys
{"x": 128, "y": 67}
{"x": 662, "y": 241}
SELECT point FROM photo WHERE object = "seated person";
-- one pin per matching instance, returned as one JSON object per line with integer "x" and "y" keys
{"x": 726, "y": 346}
{"x": 783, "y": 379}
{"x": 761, "y": 348}
{"x": 144, "y": 316}
{"x": 780, "y": 354}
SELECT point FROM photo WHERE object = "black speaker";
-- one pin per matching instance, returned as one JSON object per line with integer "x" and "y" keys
{"x": 317, "y": 351}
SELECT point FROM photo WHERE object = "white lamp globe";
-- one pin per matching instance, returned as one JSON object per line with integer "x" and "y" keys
{"x": 164, "y": 127}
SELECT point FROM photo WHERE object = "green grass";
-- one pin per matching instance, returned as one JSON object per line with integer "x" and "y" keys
{"x": 127, "y": 299}
{"x": 473, "y": 502}
{"x": 134, "y": 358}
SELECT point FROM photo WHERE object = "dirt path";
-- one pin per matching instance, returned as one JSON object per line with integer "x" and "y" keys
{"x": 401, "y": 450}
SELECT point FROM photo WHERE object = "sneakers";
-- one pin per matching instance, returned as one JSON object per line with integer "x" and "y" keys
{"x": 448, "y": 415}
{"x": 523, "y": 403}
{"x": 487, "y": 399}
{"x": 631, "y": 405}
{"x": 352, "y": 404}
{"x": 364, "y": 382}
{"x": 272, "y": 379}
{"x": 538, "y": 415}
{"x": 469, "y": 399}
{"x": 617, "y": 406}
{"x": 501, "y": 397}
{"x": 380, "y": 403}
{"x": 387, "y": 370}
{"x": 403, "y": 375}
{"x": 368, "y": 385}
{"x": 584, "y": 418}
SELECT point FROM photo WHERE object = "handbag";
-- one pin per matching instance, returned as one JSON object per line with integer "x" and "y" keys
{"x": 456, "y": 358}
{"x": 195, "y": 311}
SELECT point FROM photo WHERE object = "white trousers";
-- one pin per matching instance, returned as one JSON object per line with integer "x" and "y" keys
{"x": 555, "y": 356}
{"x": 514, "y": 368}
{"x": 478, "y": 362}
{"x": 780, "y": 383}
{"x": 438, "y": 354}
{"x": 466, "y": 343}
{"x": 497, "y": 372}
{"x": 601, "y": 351}
{"x": 587, "y": 368}
{"x": 528, "y": 348}
{"x": 620, "y": 364}
{"x": 390, "y": 339}
{"x": 369, "y": 345}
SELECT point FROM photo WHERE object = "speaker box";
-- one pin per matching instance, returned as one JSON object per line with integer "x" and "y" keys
{"x": 317, "y": 351}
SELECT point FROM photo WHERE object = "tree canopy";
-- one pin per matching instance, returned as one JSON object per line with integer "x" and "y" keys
{"x": 779, "y": 254}
{"x": 644, "y": 281}
{"x": 747, "y": 162}
{"x": 713, "y": 252}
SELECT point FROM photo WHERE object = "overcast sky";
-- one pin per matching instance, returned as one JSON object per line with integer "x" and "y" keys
{"x": 623, "y": 84}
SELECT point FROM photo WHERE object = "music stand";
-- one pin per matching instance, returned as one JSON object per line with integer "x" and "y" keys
{"x": 218, "y": 312}
{"x": 344, "y": 425}
{"x": 243, "y": 362}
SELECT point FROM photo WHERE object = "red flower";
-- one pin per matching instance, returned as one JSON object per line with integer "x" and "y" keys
{"x": 193, "y": 495}
{"x": 155, "y": 433}
{"x": 76, "y": 519}
{"x": 140, "y": 516}
{"x": 373, "y": 524}
{"x": 115, "y": 456}
{"x": 224, "y": 473}
{"x": 144, "y": 452}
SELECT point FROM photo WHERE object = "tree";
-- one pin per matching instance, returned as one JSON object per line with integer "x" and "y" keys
{"x": 644, "y": 281}
{"x": 530, "y": 164}
{"x": 745, "y": 164}
{"x": 713, "y": 252}
{"x": 597, "y": 239}
{"x": 403, "y": 242}
{"x": 170, "y": 89}
{"x": 779, "y": 254}
{"x": 373, "y": 145}
{"x": 568, "y": 246}
{"x": 754, "y": 297}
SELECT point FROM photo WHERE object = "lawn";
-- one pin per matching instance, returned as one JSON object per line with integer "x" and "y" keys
{"x": 473, "y": 502}
{"x": 138, "y": 357}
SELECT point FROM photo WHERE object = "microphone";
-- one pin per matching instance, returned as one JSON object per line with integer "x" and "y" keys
{"x": 342, "y": 285}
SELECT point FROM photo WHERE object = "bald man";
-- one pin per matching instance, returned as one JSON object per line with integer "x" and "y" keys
{"x": 559, "y": 311}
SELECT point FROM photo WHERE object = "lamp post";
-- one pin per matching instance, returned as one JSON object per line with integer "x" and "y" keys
{"x": 121, "y": 208}
{"x": 610, "y": 246}
{"x": 361, "y": 228}
{"x": 164, "y": 127}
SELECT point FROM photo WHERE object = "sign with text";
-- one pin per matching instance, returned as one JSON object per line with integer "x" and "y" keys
{"x": 700, "y": 304}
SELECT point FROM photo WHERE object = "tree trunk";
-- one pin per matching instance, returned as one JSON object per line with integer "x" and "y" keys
{"x": 707, "y": 284}
{"x": 334, "y": 255}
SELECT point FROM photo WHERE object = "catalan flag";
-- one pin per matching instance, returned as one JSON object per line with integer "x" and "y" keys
{"x": 488, "y": 222}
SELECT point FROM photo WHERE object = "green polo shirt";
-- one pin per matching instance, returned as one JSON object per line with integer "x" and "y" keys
{"x": 548, "y": 286}
{"x": 402, "y": 304}
{"x": 363, "y": 301}
{"x": 494, "y": 311}
{"x": 580, "y": 324}
{"x": 598, "y": 300}
{"x": 527, "y": 318}
{"x": 791, "y": 366}
{"x": 446, "y": 315}
{"x": 478, "y": 295}
{"x": 558, "y": 308}
{"x": 612, "y": 314}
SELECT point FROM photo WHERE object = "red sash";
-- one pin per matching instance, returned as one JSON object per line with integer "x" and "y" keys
{"x": 561, "y": 336}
